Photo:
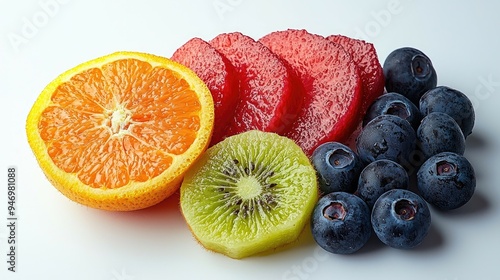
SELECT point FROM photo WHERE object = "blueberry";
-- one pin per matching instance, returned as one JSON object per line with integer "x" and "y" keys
{"x": 401, "y": 219}
{"x": 386, "y": 137}
{"x": 452, "y": 102}
{"x": 337, "y": 167}
{"x": 409, "y": 72}
{"x": 438, "y": 133}
{"x": 446, "y": 180}
{"x": 379, "y": 177}
{"x": 340, "y": 223}
{"x": 393, "y": 104}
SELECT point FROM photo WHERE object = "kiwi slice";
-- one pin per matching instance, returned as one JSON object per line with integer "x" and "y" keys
{"x": 250, "y": 193}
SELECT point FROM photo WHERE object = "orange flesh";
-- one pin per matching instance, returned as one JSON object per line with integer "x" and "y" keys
{"x": 122, "y": 122}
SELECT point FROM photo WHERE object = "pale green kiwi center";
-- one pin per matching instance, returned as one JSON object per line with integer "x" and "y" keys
{"x": 248, "y": 188}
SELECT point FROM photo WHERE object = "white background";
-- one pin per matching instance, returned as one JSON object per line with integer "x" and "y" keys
{"x": 59, "y": 239}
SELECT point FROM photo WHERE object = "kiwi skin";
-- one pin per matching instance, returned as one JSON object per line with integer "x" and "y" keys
{"x": 278, "y": 203}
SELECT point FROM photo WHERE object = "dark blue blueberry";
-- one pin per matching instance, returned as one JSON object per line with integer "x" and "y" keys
{"x": 438, "y": 133}
{"x": 446, "y": 180}
{"x": 401, "y": 219}
{"x": 337, "y": 167}
{"x": 409, "y": 72}
{"x": 393, "y": 104}
{"x": 379, "y": 177}
{"x": 452, "y": 102}
{"x": 386, "y": 137}
{"x": 340, "y": 223}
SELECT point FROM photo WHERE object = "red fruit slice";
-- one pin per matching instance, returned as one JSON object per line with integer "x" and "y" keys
{"x": 268, "y": 95}
{"x": 218, "y": 74}
{"x": 366, "y": 59}
{"x": 331, "y": 82}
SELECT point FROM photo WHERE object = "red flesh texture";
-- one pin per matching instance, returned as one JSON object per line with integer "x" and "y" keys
{"x": 219, "y": 75}
{"x": 269, "y": 99}
{"x": 365, "y": 57}
{"x": 333, "y": 89}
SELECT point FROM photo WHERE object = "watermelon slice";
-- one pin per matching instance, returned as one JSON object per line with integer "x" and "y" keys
{"x": 269, "y": 93}
{"x": 218, "y": 74}
{"x": 332, "y": 84}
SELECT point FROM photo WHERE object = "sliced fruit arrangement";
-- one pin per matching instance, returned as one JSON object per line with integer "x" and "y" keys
{"x": 293, "y": 80}
{"x": 365, "y": 57}
{"x": 268, "y": 93}
{"x": 333, "y": 88}
{"x": 250, "y": 193}
{"x": 306, "y": 87}
{"x": 122, "y": 132}
{"x": 118, "y": 132}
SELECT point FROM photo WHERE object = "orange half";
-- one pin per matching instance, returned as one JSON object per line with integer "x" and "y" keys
{"x": 118, "y": 132}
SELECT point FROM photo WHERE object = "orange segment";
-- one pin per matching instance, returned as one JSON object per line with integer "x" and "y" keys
{"x": 118, "y": 132}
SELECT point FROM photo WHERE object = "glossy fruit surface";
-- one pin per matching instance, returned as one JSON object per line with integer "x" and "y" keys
{"x": 446, "y": 180}
{"x": 451, "y": 102}
{"x": 340, "y": 223}
{"x": 337, "y": 167}
{"x": 366, "y": 59}
{"x": 218, "y": 74}
{"x": 438, "y": 133}
{"x": 401, "y": 219}
{"x": 386, "y": 137}
{"x": 118, "y": 132}
{"x": 269, "y": 98}
{"x": 410, "y": 72}
{"x": 333, "y": 87}
{"x": 250, "y": 193}
{"x": 392, "y": 103}
{"x": 379, "y": 177}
